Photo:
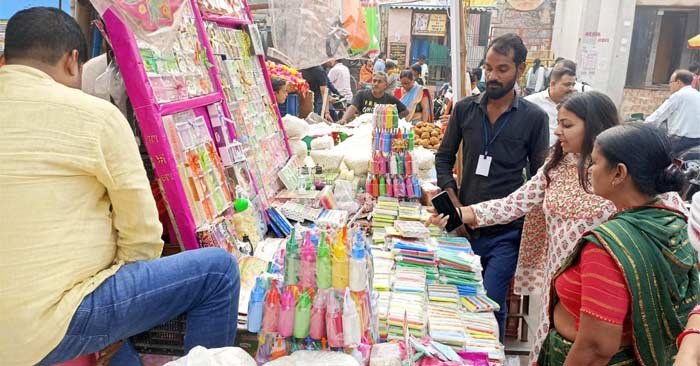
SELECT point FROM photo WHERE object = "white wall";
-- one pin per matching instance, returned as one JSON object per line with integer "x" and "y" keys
{"x": 596, "y": 34}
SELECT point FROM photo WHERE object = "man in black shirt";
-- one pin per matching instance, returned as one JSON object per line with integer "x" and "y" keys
{"x": 365, "y": 100}
{"x": 318, "y": 82}
{"x": 501, "y": 135}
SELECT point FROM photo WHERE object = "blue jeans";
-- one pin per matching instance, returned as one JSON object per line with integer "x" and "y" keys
{"x": 499, "y": 256}
{"x": 203, "y": 283}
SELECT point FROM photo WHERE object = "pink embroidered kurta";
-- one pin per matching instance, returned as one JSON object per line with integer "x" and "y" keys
{"x": 558, "y": 215}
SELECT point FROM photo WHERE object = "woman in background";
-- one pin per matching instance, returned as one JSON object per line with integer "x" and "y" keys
{"x": 366, "y": 72}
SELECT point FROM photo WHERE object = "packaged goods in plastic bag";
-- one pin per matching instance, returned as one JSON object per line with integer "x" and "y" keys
{"x": 315, "y": 358}
{"x": 322, "y": 143}
{"x": 200, "y": 356}
{"x": 153, "y": 21}
{"x": 298, "y": 149}
{"x": 296, "y": 127}
{"x": 307, "y": 33}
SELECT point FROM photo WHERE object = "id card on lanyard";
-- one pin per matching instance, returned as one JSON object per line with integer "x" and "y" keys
{"x": 483, "y": 166}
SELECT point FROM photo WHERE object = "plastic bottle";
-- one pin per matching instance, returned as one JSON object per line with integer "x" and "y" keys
{"x": 351, "y": 322}
{"x": 409, "y": 188}
{"x": 416, "y": 187}
{"x": 375, "y": 187}
{"x": 409, "y": 164}
{"x": 302, "y": 317}
{"x": 401, "y": 168}
{"x": 402, "y": 187}
{"x": 245, "y": 220}
{"x": 368, "y": 184}
{"x": 382, "y": 186}
{"x": 376, "y": 168}
{"x": 358, "y": 265}
{"x": 323, "y": 264}
{"x": 272, "y": 309}
{"x": 317, "y": 329}
{"x": 255, "y": 306}
{"x": 394, "y": 167}
{"x": 411, "y": 139}
{"x": 389, "y": 188}
{"x": 340, "y": 265}
{"x": 291, "y": 261}
{"x": 397, "y": 188}
{"x": 308, "y": 263}
{"x": 334, "y": 321}
{"x": 286, "y": 320}
{"x": 382, "y": 164}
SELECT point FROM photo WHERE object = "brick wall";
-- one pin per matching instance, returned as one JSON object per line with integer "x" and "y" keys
{"x": 643, "y": 100}
{"x": 534, "y": 27}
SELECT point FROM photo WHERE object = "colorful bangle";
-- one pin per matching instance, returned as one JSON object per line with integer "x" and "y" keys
{"x": 684, "y": 333}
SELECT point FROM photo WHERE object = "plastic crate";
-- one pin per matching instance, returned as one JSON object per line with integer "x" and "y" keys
{"x": 290, "y": 106}
{"x": 165, "y": 339}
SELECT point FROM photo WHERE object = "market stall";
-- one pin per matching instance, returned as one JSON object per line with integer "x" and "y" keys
{"x": 325, "y": 220}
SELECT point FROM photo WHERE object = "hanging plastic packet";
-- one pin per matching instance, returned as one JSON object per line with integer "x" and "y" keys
{"x": 302, "y": 317}
{"x": 351, "y": 322}
{"x": 255, "y": 306}
{"x": 272, "y": 309}
{"x": 340, "y": 265}
{"x": 318, "y": 315}
{"x": 334, "y": 321}
{"x": 323, "y": 264}
{"x": 291, "y": 261}
{"x": 358, "y": 264}
{"x": 308, "y": 263}
{"x": 287, "y": 310}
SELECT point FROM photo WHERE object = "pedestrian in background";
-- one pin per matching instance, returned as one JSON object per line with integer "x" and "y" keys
{"x": 680, "y": 111}
{"x": 535, "y": 78}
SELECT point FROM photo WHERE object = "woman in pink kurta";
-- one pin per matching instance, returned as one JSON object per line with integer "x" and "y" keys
{"x": 559, "y": 209}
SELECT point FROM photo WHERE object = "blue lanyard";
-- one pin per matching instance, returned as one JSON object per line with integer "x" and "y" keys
{"x": 487, "y": 143}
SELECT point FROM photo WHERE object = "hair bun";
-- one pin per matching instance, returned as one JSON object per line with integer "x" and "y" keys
{"x": 671, "y": 179}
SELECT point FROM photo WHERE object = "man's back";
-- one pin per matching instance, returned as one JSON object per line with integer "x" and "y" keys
{"x": 70, "y": 178}
{"x": 682, "y": 111}
{"x": 339, "y": 75}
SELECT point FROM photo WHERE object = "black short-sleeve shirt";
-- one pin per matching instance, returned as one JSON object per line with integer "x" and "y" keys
{"x": 365, "y": 101}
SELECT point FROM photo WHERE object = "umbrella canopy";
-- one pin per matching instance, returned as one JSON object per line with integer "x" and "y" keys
{"x": 694, "y": 42}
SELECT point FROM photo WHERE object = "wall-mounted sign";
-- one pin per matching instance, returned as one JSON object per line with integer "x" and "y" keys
{"x": 429, "y": 24}
{"x": 525, "y": 5}
{"x": 397, "y": 51}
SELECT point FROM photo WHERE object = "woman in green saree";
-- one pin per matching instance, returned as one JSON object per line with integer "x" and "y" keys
{"x": 625, "y": 293}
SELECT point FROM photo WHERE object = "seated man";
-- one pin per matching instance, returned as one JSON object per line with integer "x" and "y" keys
{"x": 79, "y": 226}
{"x": 365, "y": 100}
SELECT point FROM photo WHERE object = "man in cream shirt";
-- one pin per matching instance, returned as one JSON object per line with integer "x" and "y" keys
{"x": 79, "y": 267}
{"x": 561, "y": 85}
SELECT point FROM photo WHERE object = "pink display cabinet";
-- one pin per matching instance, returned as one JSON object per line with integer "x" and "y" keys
{"x": 187, "y": 88}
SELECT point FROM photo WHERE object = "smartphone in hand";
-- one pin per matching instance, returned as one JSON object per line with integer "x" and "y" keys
{"x": 443, "y": 205}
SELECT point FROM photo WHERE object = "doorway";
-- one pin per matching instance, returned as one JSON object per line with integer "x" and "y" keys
{"x": 672, "y": 35}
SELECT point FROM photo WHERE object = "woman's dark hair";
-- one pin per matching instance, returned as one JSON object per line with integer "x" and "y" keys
{"x": 646, "y": 151}
{"x": 598, "y": 113}
{"x": 406, "y": 74}
{"x": 416, "y": 68}
{"x": 277, "y": 83}
{"x": 390, "y": 65}
{"x": 536, "y": 65}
